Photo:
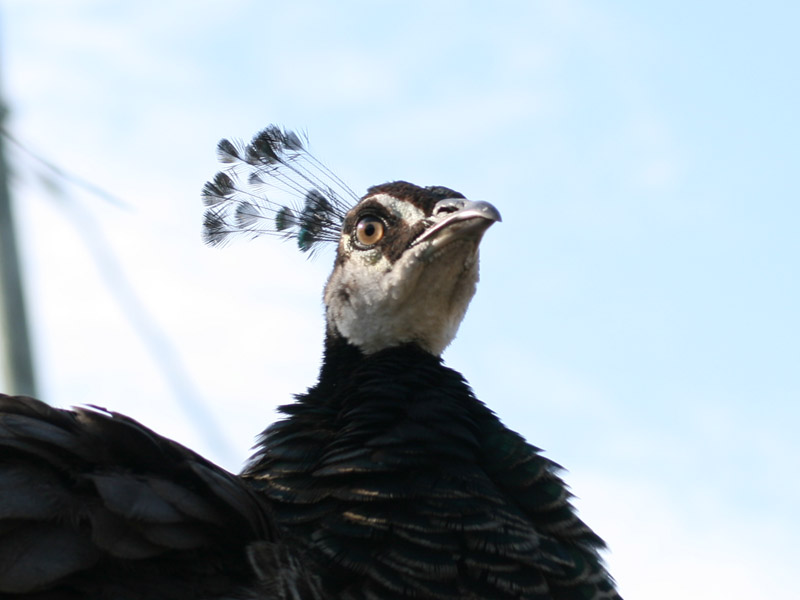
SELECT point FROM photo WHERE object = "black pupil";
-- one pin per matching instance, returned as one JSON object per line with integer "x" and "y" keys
{"x": 369, "y": 229}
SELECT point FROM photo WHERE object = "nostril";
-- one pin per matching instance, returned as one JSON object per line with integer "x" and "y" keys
{"x": 446, "y": 207}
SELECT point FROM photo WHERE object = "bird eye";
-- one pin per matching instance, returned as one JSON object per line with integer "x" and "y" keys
{"x": 369, "y": 231}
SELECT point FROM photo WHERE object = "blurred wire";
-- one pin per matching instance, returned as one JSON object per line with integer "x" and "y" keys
{"x": 158, "y": 344}
{"x": 64, "y": 175}
{"x": 15, "y": 342}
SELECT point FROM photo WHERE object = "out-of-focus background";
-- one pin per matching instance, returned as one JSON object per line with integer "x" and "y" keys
{"x": 638, "y": 310}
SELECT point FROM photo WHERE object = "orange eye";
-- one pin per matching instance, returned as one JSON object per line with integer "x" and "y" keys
{"x": 369, "y": 231}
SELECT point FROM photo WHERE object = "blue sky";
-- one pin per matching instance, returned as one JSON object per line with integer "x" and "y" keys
{"x": 637, "y": 315}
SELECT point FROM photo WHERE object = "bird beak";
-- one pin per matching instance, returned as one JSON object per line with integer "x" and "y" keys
{"x": 460, "y": 218}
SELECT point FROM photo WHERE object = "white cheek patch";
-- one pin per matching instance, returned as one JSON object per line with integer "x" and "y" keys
{"x": 358, "y": 299}
{"x": 369, "y": 258}
{"x": 374, "y": 304}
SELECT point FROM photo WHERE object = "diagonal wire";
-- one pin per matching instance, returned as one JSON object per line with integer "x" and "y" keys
{"x": 65, "y": 175}
{"x": 158, "y": 344}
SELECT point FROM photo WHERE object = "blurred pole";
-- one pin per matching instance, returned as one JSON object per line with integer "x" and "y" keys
{"x": 16, "y": 347}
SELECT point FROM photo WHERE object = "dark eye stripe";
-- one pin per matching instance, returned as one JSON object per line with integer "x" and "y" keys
{"x": 397, "y": 235}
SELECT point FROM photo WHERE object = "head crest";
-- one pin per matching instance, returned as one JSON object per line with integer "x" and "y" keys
{"x": 245, "y": 197}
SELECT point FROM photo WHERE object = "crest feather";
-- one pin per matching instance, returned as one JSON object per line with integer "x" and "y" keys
{"x": 274, "y": 186}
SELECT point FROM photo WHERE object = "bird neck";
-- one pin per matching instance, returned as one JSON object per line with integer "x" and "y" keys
{"x": 346, "y": 366}
{"x": 340, "y": 358}
{"x": 402, "y": 390}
